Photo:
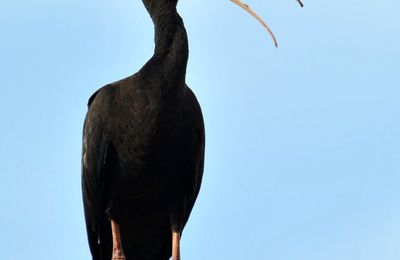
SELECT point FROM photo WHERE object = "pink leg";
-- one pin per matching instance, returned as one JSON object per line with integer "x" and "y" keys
{"x": 118, "y": 252}
{"x": 176, "y": 238}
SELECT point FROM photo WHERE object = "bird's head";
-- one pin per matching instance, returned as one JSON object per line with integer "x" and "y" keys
{"x": 155, "y": 7}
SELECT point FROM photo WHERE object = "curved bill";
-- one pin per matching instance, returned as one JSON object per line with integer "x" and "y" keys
{"x": 247, "y": 8}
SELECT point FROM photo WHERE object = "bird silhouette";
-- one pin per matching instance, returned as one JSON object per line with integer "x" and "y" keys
{"x": 143, "y": 152}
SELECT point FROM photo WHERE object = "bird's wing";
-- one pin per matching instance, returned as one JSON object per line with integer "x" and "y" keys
{"x": 98, "y": 162}
{"x": 194, "y": 182}
{"x": 194, "y": 177}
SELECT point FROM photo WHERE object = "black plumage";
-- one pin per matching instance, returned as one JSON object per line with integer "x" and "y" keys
{"x": 143, "y": 149}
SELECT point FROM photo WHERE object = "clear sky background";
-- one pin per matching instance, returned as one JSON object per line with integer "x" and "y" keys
{"x": 303, "y": 141}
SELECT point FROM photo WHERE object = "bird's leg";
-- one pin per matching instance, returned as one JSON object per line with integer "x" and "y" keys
{"x": 176, "y": 239}
{"x": 118, "y": 252}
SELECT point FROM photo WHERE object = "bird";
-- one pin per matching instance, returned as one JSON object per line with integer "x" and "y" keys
{"x": 143, "y": 152}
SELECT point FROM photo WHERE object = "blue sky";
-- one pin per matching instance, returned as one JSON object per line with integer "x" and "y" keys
{"x": 303, "y": 141}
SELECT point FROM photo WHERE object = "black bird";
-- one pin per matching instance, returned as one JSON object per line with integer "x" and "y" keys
{"x": 143, "y": 152}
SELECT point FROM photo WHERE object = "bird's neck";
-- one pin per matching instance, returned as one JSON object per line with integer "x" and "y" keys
{"x": 169, "y": 61}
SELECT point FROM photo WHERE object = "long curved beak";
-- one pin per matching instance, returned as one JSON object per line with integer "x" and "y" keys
{"x": 247, "y": 8}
